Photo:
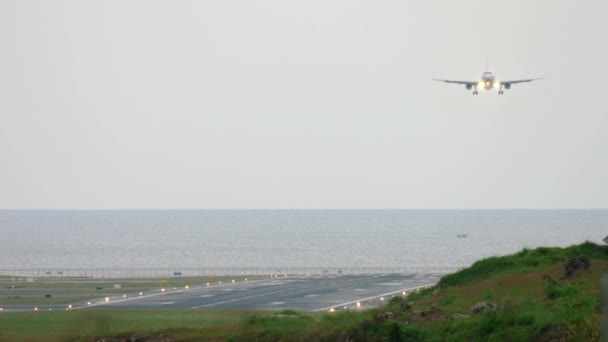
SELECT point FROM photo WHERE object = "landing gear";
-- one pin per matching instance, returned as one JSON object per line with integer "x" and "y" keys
{"x": 475, "y": 92}
{"x": 500, "y": 92}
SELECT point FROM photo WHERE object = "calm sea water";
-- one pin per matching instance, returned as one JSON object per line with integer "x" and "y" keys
{"x": 295, "y": 238}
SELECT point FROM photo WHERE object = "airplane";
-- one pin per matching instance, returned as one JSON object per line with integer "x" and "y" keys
{"x": 488, "y": 81}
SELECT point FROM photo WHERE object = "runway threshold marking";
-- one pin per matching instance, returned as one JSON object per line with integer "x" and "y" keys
{"x": 369, "y": 298}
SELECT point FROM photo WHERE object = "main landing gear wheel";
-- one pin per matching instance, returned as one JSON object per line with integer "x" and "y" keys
{"x": 501, "y": 92}
{"x": 475, "y": 92}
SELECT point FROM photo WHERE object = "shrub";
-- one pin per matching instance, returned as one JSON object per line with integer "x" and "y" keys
{"x": 552, "y": 291}
{"x": 289, "y": 312}
{"x": 412, "y": 334}
{"x": 542, "y": 250}
{"x": 398, "y": 305}
{"x": 526, "y": 319}
{"x": 533, "y": 262}
{"x": 488, "y": 324}
{"x": 488, "y": 295}
{"x": 449, "y": 300}
{"x": 394, "y": 333}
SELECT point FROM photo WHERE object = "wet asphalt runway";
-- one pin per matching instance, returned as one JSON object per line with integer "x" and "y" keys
{"x": 299, "y": 293}
{"x": 314, "y": 293}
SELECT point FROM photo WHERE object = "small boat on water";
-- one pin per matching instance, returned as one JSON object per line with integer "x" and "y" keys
{"x": 461, "y": 235}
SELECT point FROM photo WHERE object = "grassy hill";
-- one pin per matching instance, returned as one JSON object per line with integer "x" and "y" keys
{"x": 526, "y": 297}
{"x": 534, "y": 299}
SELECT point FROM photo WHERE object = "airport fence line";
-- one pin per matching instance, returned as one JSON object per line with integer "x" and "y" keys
{"x": 116, "y": 273}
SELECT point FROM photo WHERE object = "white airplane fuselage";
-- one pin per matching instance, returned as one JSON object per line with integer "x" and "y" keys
{"x": 488, "y": 77}
{"x": 487, "y": 80}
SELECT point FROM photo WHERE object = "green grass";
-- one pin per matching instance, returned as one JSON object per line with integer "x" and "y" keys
{"x": 75, "y": 325}
{"x": 529, "y": 308}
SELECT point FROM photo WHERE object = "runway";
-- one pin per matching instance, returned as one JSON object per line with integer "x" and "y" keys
{"x": 314, "y": 293}
{"x": 298, "y": 293}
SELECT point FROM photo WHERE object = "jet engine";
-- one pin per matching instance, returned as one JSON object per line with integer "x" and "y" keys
{"x": 469, "y": 86}
{"x": 507, "y": 85}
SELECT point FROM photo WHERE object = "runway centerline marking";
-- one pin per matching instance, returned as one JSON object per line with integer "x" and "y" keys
{"x": 235, "y": 300}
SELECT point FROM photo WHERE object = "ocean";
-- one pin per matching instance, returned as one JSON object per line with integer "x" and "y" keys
{"x": 283, "y": 238}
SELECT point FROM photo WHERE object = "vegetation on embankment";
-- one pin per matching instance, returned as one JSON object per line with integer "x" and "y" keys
{"x": 526, "y": 297}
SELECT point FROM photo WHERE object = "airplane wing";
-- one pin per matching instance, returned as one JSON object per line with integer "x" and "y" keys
{"x": 521, "y": 81}
{"x": 456, "y": 82}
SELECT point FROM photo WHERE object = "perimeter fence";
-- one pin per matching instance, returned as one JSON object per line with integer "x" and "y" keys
{"x": 115, "y": 273}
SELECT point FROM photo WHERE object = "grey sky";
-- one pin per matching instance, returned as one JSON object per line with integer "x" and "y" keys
{"x": 301, "y": 104}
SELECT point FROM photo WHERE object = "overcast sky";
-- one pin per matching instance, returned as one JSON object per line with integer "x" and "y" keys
{"x": 301, "y": 104}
